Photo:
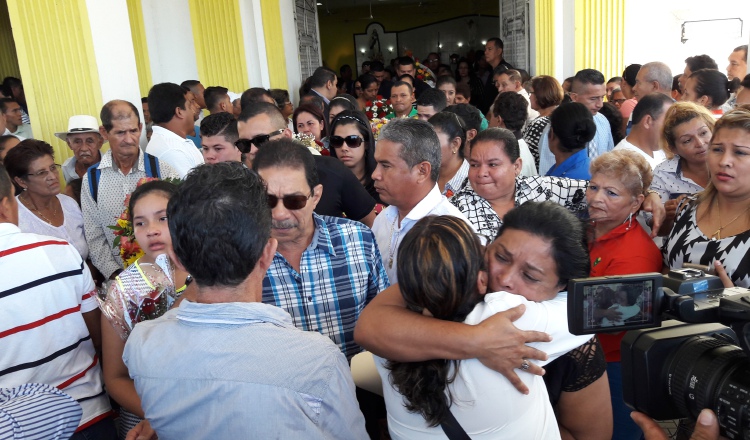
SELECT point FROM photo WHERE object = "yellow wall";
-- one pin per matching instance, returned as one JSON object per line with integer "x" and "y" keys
{"x": 219, "y": 49}
{"x": 274, "y": 44}
{"x": 544, "y": 21}
{"x": 140, "y": 47}
{"x": 8, "y": 57}
{"x": 56, "y": 59}
{"x": 600, "y": 36}
{"x": 337, "y": 30}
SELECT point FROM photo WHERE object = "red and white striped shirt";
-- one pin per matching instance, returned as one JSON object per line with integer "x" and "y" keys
{"x": 44, "y": 288}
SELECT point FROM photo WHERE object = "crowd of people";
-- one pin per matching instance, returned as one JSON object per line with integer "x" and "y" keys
{"x": 219, "y": 279}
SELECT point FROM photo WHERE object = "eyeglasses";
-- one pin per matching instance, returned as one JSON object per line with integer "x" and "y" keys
{"x": 43, "y": 173}
{"x": 293, "y": 202}
{"x": 258, "y": 141}
{"x": 352, "y": 141}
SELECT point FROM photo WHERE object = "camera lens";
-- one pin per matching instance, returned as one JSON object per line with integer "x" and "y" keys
{"x": 706, "y": 372}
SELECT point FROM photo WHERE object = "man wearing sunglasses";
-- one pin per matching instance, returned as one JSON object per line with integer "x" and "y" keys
{"x": 325, "y": 269}
{"x": 261, "y": 122}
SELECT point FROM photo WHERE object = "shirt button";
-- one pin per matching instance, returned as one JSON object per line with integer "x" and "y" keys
{"x": 309, "y": 298}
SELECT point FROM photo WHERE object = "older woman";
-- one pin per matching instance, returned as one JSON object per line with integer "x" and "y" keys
{"x": 543, "y": 236}
{"x": 618, "y": 245}
{"x": 41, "y": 207}
{"x": 714, "y": 226}
{"x": 454, "y": 168}
{"x": 353, "y": 144}
{"x": 546, "y": 94}
{"x": 572, "y": 127}
{"x": 685, "y": 138}
{"x": 309, "y": 119}
{"x": 709, "y": 88}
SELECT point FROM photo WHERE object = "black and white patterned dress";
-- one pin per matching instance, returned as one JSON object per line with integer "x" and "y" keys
{"x": 569, "y": 193}
{"x": 687, "y": 244}
{"x": 532, "y": 133}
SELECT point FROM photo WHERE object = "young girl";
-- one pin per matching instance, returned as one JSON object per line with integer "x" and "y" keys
{"x": 141, "y": 292}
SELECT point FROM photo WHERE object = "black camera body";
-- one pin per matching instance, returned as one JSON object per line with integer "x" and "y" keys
{"x": 674, "y": 369}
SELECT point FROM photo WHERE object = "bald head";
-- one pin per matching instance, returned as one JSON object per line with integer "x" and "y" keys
{"x": 117, "y": 110}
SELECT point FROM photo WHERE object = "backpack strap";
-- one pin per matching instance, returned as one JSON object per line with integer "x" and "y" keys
{"x": 151, "y": 164}
{"x": 93, "y": 174}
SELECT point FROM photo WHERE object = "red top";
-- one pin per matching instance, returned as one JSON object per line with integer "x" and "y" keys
{"x": 622, "y": 251}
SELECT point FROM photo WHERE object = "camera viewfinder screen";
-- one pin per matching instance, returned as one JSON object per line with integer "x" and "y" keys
{"x": 607, "y": 306}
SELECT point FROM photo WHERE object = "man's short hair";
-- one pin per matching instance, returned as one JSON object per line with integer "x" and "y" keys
{"x": 585, "y": 77}
{"x": 403, "y": 83}
{"x": 497, "y": 42}
{"x": 433, "y": 98}
{"x": 290, "y": 154}
{"x": 4, "y": 103}
{"x": 463, "y": 89}
{"x": 615, "y": 79}
{"x": 698, "y": 62}
{"x": 512, "y": 108}
{"x": 213, "y": 96}
{"x": 676, "y": 83}
{"x": 471, "y": 115}
{"x": 163, "y": 99}
{"x": 263, "y": 108}
{"x": 214, "y": 202}
{"x": 190, "y": 84}
{"x": 144, "y": 100}
{"x": 652, "y": 105}
{"x": 376, "y": 66}
{"x": 254, "y": 94}
{"x": 742, "y": 48}
{"x": 418, "y": 140}
{"x": 108, "y": 116}
{"x": 513, "y": 74}
{"x": 281, "y": 96}
{"x": 222, "y": 124}
{"x": 6, "y": 185}
{"x": 499, "y": 70}
{"x": 321, "y": 76}
{"x": 659, "y": 72}
{"x": 405, "y": 61}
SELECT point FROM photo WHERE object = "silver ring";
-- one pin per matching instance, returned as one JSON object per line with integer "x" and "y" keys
{"x": 525, "y": 365}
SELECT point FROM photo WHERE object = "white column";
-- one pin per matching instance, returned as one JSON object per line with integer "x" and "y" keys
{"x": 254, "y": 43}
{"x": 565, "y": 36}
{"x": 291, "y": 46}
{"x": 169, "y": 35}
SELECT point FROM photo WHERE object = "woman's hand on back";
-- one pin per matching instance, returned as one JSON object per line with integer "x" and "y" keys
{"x": 652, "y": 203}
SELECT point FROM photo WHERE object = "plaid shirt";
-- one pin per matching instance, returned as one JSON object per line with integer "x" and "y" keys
{"x": 341, "y": 272}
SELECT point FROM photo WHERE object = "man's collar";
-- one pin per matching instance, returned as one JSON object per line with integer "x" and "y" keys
{"x": 108, "y": 161}
{"x": 425, "y": 205}
{"x": 321, "y": 236}
{"x": 167, "y": 133}
{"x": 8, "y": 228}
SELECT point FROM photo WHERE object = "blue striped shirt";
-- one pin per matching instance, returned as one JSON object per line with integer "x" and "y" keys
{"x": 341, "y": 271}
{"x": 601, "y": 143}
{"x": 37, "y": 411}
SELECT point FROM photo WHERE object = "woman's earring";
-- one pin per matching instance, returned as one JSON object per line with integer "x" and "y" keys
{"x": 630, "y": 220}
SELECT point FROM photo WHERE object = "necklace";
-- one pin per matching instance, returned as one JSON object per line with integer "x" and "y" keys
{"x": 717, "y": 235}
{"x": 391, "y": 248}
{"x": 33, "y": 207}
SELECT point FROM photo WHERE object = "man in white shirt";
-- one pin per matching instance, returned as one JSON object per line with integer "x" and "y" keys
{"x": 510, "y": 81}
{"x": 648, "y": 121}
{"x": 14, "y": 119}
{"x": 408, "y": 166}
{"x": 173, "y": 117}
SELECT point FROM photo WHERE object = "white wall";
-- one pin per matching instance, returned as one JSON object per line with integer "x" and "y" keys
{"x": 254, "y": 43}
{"x": 169, "y": 35}
{"x": 291, "y": 47}
{"x": 653, "y": 30}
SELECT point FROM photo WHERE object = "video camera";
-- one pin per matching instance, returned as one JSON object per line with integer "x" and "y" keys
{"x": 690, "y": 361}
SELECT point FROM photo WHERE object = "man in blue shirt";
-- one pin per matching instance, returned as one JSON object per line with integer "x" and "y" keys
{"x": 326, "y": 269}
{"x": 228, "y": 366}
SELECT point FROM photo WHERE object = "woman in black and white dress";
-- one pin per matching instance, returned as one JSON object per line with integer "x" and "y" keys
{"x": 714, "y": 226}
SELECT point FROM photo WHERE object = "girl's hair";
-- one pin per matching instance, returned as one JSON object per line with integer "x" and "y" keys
{"x": 714, "y": 84}
{"x": 737, "y": 118}
{"x": 313, "y": 110}
{"x": 561, "y": 228}
{"x": 573, "y": 124}
{"x": 357, "y": 118}
{"x": 162, "y": 187}
{"x": 439, "y": 263}
{"x": 680, "y": 113}
{"x": 452, "y": 125}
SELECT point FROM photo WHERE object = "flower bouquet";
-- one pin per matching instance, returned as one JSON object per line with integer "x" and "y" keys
{"x": 309, "y": 141}
{"x": 141, "y": 292}
{"x": 378, "y": 108}
{"x": 425, "y": 74}
{"x": 376, "y": 125}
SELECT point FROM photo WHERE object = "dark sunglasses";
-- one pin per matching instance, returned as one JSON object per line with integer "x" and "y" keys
{"x": 352, "y": 141}
{"x": 293, "y": 202}
{"x": 245, "y": 144}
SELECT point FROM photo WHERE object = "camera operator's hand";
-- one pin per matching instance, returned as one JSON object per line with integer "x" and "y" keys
{"x": 722, "y": 274}
{"x": 706, "y": 427}
{"x": 505, "y": 349}
{"x": 652, "y": 203}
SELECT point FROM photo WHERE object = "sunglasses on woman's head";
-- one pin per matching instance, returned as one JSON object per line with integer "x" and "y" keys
{"x": 352, "y": 141}
{"x": 292, "y": 202}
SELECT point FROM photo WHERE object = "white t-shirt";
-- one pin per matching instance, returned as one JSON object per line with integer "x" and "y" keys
{"x": 528, "y": 167}
{"x": 484, "y": 401}
{"x": 658, "y": 158}
{"x": 179, "y": 153}
{"x": 71, "y": 230}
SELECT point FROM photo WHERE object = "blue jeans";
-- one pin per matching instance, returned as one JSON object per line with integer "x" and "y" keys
{"x": 624, "y": 427}
{"x": 101, "y": 430}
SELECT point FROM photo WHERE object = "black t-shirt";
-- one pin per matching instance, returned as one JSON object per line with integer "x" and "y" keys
{"x": 342, "y": 191}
